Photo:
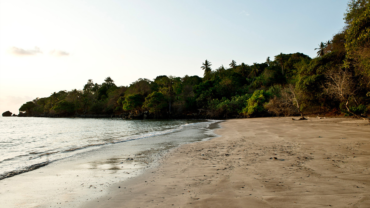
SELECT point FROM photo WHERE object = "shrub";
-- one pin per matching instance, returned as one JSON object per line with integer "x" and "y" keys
{"x": 359, "y": 110}
{"x": 133, "y": 102}
{"x": 155, "y": 102}
{"x": 255, "y": 103}
{"x": 226, "y": 107}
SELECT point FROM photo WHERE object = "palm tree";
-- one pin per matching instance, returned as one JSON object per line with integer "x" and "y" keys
{"x": 321, "y": 49}
{"x": 221, "y": 69}
{"x": 268, "y": 61}
{"x": 243, "y": 69}
{"x": 232, "y": 64}
{"x": 280, "y": 59}
{"x": 328, "y": 47}
{"x": 206, "y": 66}
{"x": 254, "y": 70}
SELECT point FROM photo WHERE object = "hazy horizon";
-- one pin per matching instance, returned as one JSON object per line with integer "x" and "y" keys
{"x": 48, "y": 46}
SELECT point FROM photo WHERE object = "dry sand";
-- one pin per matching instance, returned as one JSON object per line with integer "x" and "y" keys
{"x": 262, "y": 162}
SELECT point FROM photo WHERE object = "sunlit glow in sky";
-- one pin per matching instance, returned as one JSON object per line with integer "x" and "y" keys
{"x": 52, "y": 45}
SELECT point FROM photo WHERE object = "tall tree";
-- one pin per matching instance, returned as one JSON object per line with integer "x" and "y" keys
{"x": 280, "y": 59}
{"x": 133, "y": 103}
{"x": 341, "y": 85}
{"x": 355, "y": 9}
{"x": 321, "y": 50}
{"x": 268, "y": 61}
{"x": 358, "y": 34}
{"x": 74, "y": 97}
{"x": 328, "y": 47}
{"x": 255, "y": 70}
{"x": 166, "y": 87}
{"x": 232, "y": 64}
{"x": 221, "y": 68}
{"x": 109, "y": 81}
{"x": 221, "y": 71}
{"x": 206, "y": 66}
{"x": 155, "y": 102}
{"x": 141, "y": 86}
{"x": 88, "y": 86}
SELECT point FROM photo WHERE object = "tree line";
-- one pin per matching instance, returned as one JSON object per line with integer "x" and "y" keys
{"x": 337, "y": 81}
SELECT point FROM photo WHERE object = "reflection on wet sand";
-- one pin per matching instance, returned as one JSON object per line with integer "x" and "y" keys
{"x": 90, "y": 175}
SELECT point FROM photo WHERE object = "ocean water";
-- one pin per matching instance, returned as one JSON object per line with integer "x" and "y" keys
{"x": 29, "y": 142}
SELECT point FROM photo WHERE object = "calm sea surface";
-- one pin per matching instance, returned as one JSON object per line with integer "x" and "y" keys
{"x": 29, "y": 141}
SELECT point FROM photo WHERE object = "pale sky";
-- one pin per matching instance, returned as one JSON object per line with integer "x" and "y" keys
{"x": 52, "y": 45}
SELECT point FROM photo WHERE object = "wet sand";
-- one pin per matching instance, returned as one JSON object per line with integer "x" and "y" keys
{"x": 76, "y": 180}
{"x": 262, "y": 162}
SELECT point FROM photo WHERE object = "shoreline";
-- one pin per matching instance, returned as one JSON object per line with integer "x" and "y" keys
{"x": 261, "y": 162}
{"x": 85, "y": 148}
{"x": 72, "y": 181}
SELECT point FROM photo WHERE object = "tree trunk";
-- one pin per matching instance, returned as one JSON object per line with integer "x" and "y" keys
{"x": 354, "y": 114}
{"x": 296, "y": 100}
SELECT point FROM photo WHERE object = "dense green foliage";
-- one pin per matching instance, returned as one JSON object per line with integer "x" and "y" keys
{"x": 133, "y": 102}
{"x": 358, "y": 34}
{"x": 255, "y": 103}
{"x": 155, "y": 103}
{"x": 337, "y": 80}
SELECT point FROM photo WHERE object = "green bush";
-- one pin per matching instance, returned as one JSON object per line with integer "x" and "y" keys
{"x": 358, "y": 110}
{"x": 133, "y": 102}
{"x": 227, "y": 107}
{"x": 255, "y": 103}
{"x": 155, "y": 102}
{"x": 361, "y": 109}
{"x": 275, "y": 91}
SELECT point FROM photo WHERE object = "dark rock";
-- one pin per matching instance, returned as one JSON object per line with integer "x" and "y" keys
{"x": 7, "y": 113}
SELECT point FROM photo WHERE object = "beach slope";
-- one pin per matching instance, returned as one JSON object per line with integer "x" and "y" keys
{"x": 262, "y": 162}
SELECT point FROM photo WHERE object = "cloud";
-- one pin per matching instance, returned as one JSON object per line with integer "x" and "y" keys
{"x": 22, "y": 52}
{"x": 32, "y": 52}
{"x": 59, "y": 53}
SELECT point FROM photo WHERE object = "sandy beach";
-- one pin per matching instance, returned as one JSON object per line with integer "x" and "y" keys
{"x": 261, "y": 162}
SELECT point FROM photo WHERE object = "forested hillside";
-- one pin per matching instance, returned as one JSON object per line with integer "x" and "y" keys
{"x": 335, "y": 82}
